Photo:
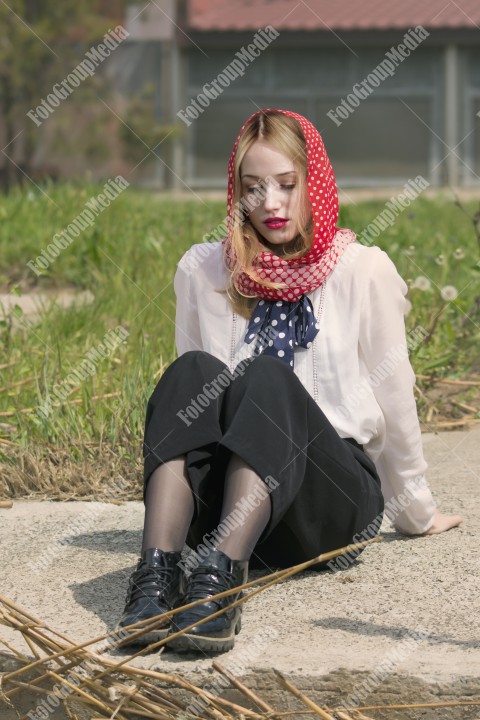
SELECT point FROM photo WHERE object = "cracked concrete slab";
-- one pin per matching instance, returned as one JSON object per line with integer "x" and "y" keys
{"x": 69, "y": 564}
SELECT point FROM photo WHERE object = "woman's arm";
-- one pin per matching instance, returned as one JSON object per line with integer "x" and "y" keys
{"x": 187, "y": 325}
{"x": 383, "y": 347}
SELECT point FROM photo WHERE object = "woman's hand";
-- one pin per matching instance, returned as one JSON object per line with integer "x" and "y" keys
{"x": 442, "y": 523}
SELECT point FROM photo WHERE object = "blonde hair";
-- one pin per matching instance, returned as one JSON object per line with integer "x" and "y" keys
{"x": 285, "y": 134}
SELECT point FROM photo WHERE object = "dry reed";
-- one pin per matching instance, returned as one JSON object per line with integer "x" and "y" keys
{"x": 71, "y": 673}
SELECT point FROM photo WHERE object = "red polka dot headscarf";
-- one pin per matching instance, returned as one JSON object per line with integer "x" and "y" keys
{"x": 308, "y": 272}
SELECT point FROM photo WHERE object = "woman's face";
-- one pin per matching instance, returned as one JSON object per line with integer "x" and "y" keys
{"x": 269, "y": 177}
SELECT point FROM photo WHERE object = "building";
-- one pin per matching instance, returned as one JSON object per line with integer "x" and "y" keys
{"x": 420, "y": 118}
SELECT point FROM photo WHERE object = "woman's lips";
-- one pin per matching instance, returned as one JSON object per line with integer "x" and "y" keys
{"x": 275, "y": 223}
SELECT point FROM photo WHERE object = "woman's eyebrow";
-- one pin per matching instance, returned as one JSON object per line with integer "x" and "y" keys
{"x": 290, "y": 172}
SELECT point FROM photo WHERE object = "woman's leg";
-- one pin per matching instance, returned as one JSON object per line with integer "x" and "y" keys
{"x": 156, "y": 584}
{"x": 241, "y": 481}
{"x": 226, "y": 565}
{"x": 171, "y": 439}
{"x": 168, "y": 507}
{"x": 271, "y": 433}
{"x": 323, "y": 489}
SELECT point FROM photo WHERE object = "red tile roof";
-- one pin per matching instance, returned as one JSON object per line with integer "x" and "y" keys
{"x": 205, "y": 15}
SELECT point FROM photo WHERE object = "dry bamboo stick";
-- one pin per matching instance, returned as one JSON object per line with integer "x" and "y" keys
{"x": 16, "y": 653}
{"x": 148, "y": 626}
{"x": 31, "y": 645}
{"x": 78, "y": 690}
{"x": 61, "y": 653}
{"x": 221, "y": 701}
{"x": 42, "y": 641}
{"x": 177, "y": 681}
{"x": 69, "y": 712}
{"x": 70, "y": 715}
{"x": 278, "y": 576}
{"x": 129, "y": 670}
{"x": 186, "y": 685}
{"x": 143, "y": 704}
{"x": 89, "y": 701}
{"x": 295, "y": 691}
{"x": 28, "y": 686}
{"x": 9, "y": 603}
{"x": 424, "y": 397}
{"x": 454, "y": 423}
{"x": 41, "y": 678}
{"x": 361, "y": 716}
{"x": 104, "y": 689}
{"x": 34, "y": 688}
{"x": 463, "y": 406}
{"x": 466, "y": 383}
{"x": 243, "y": 688}
{"x": 153, "y": 690}
{"x": 167, "y": 697}
{"x": 140, "y": 683}
{"x": 4, "y": 698}
{"x": 138, "y": 713}
{"x": 267, "y": 581}
{"x": 41, "y": 661}
{"x": 31, "y": 634}
{"x": 123, "y": 701}
{"x": 451, "y": 703}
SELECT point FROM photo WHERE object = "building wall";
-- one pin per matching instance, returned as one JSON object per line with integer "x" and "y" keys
{"x": 404, "y": 128}
{"x": 470, "y": 146}
{"x": 394, "y": 134}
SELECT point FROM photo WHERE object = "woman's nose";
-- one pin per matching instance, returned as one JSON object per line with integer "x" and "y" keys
{"x": 272, "y": 200}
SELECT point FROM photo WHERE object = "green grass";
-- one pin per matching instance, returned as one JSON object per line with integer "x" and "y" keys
{"x": 128, "y": 259}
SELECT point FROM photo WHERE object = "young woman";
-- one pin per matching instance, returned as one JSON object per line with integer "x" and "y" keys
{"x": 288, "y": 418}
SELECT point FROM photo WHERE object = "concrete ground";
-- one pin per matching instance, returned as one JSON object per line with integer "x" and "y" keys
{"x": 69, "y": 564}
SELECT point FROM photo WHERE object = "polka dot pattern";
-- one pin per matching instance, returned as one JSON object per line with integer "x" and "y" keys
{"x": 301, "y": 329}
{"x": 301, "y": 275}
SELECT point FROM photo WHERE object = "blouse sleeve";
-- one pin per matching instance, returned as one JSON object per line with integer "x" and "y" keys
{"x": 401, "y": 464}
{"x": 187, "y": 324}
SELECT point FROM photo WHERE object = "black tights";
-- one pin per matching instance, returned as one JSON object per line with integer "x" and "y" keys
{"x": 169, "y": 508}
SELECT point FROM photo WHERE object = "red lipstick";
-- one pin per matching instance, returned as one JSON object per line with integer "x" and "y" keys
{"x": 275, "y": 223}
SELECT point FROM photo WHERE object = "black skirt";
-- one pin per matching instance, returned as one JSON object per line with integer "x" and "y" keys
{"x": 326, "y": 488}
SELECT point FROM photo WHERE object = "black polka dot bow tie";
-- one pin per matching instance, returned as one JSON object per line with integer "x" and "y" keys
{"x": 279, "y": 325}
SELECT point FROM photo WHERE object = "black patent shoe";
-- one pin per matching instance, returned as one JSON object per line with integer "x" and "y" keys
{"x": 216, "y": 574}
{"x": 154, "y": 588}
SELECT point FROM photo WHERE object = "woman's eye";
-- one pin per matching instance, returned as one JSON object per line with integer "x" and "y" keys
{"x": 260, "y": 189}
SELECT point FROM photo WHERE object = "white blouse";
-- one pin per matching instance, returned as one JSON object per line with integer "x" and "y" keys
{"x": 357, "y": 369}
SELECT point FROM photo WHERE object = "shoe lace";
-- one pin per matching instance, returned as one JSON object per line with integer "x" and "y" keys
{"x": 202, "y": 585}
{"x": 149, "y": 580}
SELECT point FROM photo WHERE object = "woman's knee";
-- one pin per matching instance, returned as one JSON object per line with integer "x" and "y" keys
{"x": 198, "y": 357}
{"x": 193, "y": 363}
{"x": 261, "y": 367}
